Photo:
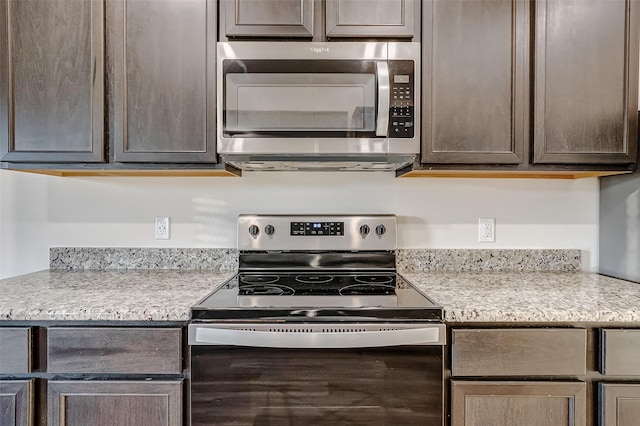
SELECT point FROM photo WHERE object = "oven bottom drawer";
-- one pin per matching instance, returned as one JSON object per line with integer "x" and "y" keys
{"x": 372, "y": 386}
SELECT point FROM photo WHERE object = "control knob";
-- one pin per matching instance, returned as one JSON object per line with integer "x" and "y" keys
{"x": 269, "y": 229}
{"x": 380, "y": 230}
{"x": 364, "y": 230}
{"x": 254, "y": 230}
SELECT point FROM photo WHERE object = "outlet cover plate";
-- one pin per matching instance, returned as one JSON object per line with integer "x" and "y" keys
{"x": 487, "y": 230}
{"x": 163, "y": 228}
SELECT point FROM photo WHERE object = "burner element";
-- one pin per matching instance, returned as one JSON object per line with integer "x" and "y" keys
{"x": 374, "y": 279}
{"x": 314, "y": 279}
{"x": 367, "y": 289}
{"x": 259, "y": 279}
{"x": 266, "y": 290}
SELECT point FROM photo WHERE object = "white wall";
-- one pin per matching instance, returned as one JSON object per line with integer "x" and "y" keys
{"x": 38, "y": 212}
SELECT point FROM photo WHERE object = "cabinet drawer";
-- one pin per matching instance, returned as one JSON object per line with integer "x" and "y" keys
{"x": 15, "y": 350}
{"x": 519, "y": 352}
{"x": 619, "y": 352}
{"x": 114, "y": 350}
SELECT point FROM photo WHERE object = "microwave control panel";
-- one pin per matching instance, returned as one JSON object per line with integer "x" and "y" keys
{"x": 401, "y": 111}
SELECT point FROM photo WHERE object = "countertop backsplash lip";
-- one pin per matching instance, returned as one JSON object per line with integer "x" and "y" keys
{"x": 407, "y": 261}
{"x": 124, "y": 258}
{"x": 493, "y": 260}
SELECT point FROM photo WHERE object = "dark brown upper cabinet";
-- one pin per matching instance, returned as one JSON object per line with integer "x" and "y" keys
{"x": 272, "y": 18}
{"x": 366, "y": 18}
{"x": 475, "y": 81}
{"x": 162, "y": 56}
{"x": 51, "y": 81}
{"x": 586, "y": 81}
{"x": 319, "y": 20}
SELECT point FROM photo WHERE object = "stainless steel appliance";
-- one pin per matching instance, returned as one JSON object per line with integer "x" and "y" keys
{"x": 317, "y": 327}
{"x": 344, "y": 106}
{"x": 620, "y": 225}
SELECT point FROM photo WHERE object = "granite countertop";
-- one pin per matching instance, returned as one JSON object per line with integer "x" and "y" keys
{"x": 124, "y": 295}
{"x": 167, "y": 295}
{"x": 530, "y": 296}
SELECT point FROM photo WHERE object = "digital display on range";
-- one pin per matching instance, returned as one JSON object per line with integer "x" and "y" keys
{"x": 317, "y": 228}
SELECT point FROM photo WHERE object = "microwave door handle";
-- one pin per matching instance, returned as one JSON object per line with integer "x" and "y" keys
{"x": 382, "y": 71}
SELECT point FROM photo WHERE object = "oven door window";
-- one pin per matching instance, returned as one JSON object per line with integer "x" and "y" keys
{"x": 249, "y": 386}
{"x": 290, "y": 98}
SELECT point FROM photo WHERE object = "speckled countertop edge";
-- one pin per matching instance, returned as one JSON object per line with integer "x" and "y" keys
{"x": 129, "y": 295}
{"x": 558, "y": 297}
{"x": 165, "y": 295}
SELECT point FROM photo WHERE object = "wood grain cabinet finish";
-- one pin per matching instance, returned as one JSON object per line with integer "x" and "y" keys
{"x": 475, "y": 81}
{"x": 271, "y": 19}
{"x": 108, "y": 403}
{"x": 163, "y": 55}
{"x": 519, "y": 352}
{"x": 619, "y": 404}
{"x": 51, "y": 80}
{"x": 371, "y": 18}
{"x": 16, "y": 402}
{"x": 586, "y": 81}
{"x": 619, "y": 350}
{"x": 15, "y": 350}
{"x": 114, "y": 350}
{"x": 518, "y": 403}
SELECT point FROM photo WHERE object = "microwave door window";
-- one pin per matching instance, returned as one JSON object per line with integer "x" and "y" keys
{"x": 326, "y": 104}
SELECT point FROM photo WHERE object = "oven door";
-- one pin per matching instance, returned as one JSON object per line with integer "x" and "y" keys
{"x": 317, "y": 374}
{"x": 312, "y": 98}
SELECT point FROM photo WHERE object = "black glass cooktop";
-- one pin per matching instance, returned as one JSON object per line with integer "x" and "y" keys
{"x": 316, "y": 284}
{"x": 295, "y": 296}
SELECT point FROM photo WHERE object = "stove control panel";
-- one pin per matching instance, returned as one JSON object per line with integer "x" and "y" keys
{"x": 317, "y": 228}
{"x": 316, "y": 232}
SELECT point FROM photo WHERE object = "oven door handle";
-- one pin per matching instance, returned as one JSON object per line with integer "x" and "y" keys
{"x": 433, "y": 334}
{"x": 384, "y": 90}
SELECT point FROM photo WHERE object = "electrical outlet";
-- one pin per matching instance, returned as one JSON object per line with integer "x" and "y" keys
{"x": 487, "y": 230}
{"x": 163, "y": 227}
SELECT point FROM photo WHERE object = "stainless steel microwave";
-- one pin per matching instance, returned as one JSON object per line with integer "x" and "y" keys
{"x": 287, "y": 105}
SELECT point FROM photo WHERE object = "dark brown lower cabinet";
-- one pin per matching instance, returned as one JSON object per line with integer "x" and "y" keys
{"x": 108, "y": 403}
{"x": 498, "y": 403}
{"x": 619, "y": 404}
{"x": 16, "y": 402}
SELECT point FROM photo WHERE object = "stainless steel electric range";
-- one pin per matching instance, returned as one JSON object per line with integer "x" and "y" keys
{"x": 317, "y": 326}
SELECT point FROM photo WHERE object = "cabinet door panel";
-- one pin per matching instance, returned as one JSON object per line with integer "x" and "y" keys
{"x": 474, "y": 91}
{"x": 164, "y": 54}
{"x": 619, "y": 404}
{"x": 367, "y": 18}
{"x": 586, "y": 65}
{"x": 52, "y": 80}
{"x": 518, "y": 403}
{"x": 16, "y": 402}
{"x": 114, "y": 403}
{"x": 273, "y": 18}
